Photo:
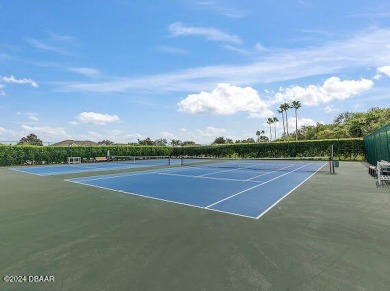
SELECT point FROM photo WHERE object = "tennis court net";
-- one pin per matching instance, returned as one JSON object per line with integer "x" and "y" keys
{"x": 142, "y": 160}
{"x": 304, "y": 164}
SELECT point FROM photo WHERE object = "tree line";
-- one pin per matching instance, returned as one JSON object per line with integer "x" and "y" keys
{"x": 345, "y": 125}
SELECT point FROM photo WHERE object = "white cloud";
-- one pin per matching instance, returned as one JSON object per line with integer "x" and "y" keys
{"x": 331, "y": 109}
{"x": 224, "y": 100}
{"x": 210, "y": 33}
{"x": 91, "y": 135}
{"x": 12, "y": 79}
{"x": 167, "y": 135}
{"x": 96, "y": 118}
{"x": 2, "y": 130}
{"x": 291, "y": 125}
{"x": 384, "y": 70}
{"x": 46, "y": 133}
{"x": 32, "y": 116}
{"x": 210, "y": 131}
{"x": 172, "y": 50}
{"x": 256, "y": 50}
{"x": 43, "y": 46}
{"x": 365, "y": 49}
{"x": 301, "y": 122}
{"x": 200, "y": 135}
{"x": 220, "y": 8}
{"x": 60, "y": 37}
{"x": 121, "y": 136}
{"x": 88, "y": 72}
{"x": 73, "y": 122}
{"x": 332, "y": 89}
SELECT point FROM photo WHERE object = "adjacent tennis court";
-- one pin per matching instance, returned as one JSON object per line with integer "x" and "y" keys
{"x": 246, "y": 188}
{"x": 98, "y": 166}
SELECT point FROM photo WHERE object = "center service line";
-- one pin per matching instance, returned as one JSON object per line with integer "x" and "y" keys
{"x": 255, "y": 186}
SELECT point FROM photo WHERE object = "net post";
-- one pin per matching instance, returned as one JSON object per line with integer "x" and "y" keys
{"x": 332, "y": 171}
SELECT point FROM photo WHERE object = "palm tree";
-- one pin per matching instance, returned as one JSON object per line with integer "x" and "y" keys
{"x": 286, "y": 106}
{"x": 296, "y": 105}
{"x": 269, "y": 122}
{"x": 258, "y": 135}
{"x": 275, "y": 120}
{"x": 280, "y": 110}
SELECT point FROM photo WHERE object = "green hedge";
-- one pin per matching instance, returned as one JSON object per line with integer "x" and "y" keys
{"x": 344, "y": 149}
{"x": 19, "y": 155}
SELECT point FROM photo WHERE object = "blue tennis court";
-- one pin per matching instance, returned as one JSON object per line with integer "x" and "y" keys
{"x": 49, "y": 170}
{"x": 248, "y": 190}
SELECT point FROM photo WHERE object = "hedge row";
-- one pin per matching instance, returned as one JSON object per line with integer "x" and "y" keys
{"x": 19, "y": 155}
{"x": 344, "y": 149}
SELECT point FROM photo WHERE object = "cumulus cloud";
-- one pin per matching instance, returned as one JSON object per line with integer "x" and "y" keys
{"x": 12, "y": 79}
{"x": 384, "y": 70}
{"x": 210, "y": 33}
{"x": 332, "y": 89}
{"x": 225, "y": 99}
{"x": 97, "y": 118}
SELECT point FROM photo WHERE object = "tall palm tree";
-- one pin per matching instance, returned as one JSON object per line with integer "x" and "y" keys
{"x": 281, "y": 111}
{"x": 296, "y": 105}
{"x": 269, "y": 122}
{"x": 286, "y": 107}
{"x": 258, "y": 135}
{"x": 274, "y": 121}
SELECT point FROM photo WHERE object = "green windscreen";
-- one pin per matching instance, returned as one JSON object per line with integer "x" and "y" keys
{"x": 377, "y": 145}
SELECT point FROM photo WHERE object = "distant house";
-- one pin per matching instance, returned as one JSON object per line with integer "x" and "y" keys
{"x": 74, "y": 143}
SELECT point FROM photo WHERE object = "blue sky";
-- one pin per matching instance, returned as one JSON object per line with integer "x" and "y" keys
{"x": 189, "y": 69}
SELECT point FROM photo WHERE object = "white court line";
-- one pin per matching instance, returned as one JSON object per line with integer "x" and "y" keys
{"x": 82, "y": 168}
{"x": 160, "y": 199}
{"x": 268, "y": 173}
{"x": 236, "y": 169}
{"x": 112, "y": 176}
{"x": 277, "y": 177}
{"x": 21, "y": 171}
{"x": 202, "y": 177}
{"x": 269, "y": 208}
{"x": 223, "y": 171}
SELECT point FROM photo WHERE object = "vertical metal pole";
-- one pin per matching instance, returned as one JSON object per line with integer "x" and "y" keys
{"x": 378, "y": 172}
{"x": 386, "y": 129}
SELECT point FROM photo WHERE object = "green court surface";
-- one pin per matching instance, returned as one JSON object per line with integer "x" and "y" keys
{"x": 331, "y": 233}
